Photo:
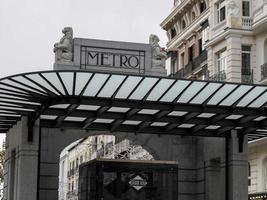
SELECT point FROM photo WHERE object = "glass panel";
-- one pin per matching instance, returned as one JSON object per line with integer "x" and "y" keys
{"x": 118, "y": 109}
{"x": 251, "y": 96}
{"x": 88, "y": 107}
{"x": 175, "y": 90}
{"x": 48, "y": 117}
{"x": 9, "y": 115}
{"x": 106, "y": 121}
{"x": 259, "y": 101}
{"x": 159, "y": 90}
{"x": 53, "y": 79}
{"x": 177, "y": 113}
{"x": 159, "y": 124}
{"x": 12, "y": 83}
{"x": 131, "y": 122}
{"x": 12, "y": 93}
{"x": 81, "y": 80}
{"x": 148, "y": 111}
{"x": 239, "y": 92}
{"x": 205, "y": 93}
{"x": 19, "y": 109}
{"x": 4, "y": 87}
{"x": 75, "y": 119}
{"x": 191, "y": 91}
{"x": 213, "y": 127}
{"x": 111, "y": 86}
{"x": 27, "y": 82}
{"x": 61, "y": 106}
{"x": 37, "y": 78}
{"x": 206, "y": 115}
{"x": 19, "y": 101}
{"x": 260, "y": 118}
{"x": 14, "y": 97}
{"x": 67, "y": 78}
{"x": 224, "y": 91}
{"x": 128, "y": 86}
{"x": 186, "y": 125}
{"x": 143, "y": 88}
{"x": 95, "y": 84}
{"x": 234, "y": 117}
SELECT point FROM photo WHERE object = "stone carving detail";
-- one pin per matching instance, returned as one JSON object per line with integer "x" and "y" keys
{"x": 63, "y": 49}
{"x": 233, "y": 9}
{"x": 159, "y": 56}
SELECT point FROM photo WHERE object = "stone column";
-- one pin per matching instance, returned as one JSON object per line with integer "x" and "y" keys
{"x": 238, "y": 168}
{"x": 21, "y": 163}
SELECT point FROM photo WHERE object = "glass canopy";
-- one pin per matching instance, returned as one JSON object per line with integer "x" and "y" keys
{"x": 133, "y": 103}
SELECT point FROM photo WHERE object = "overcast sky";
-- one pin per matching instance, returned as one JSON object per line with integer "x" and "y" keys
{"x": 29, "y": 28}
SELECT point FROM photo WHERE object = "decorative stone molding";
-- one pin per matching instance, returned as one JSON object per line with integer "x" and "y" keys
{"x": 159, "y": 56}
{"x": 64, "y": 48}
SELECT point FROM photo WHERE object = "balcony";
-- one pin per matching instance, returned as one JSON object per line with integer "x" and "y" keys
{"x": 220, "y": 76}
{"x": 264, "y": 73}
{"x": 192, "y": 66}
{"x": 247, "y": 23}
{"x": 247, "y": 75}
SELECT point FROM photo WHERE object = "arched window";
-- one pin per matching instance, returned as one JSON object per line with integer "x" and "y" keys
{"x": 203, "y": 6}
{"x": 183, "y": 24}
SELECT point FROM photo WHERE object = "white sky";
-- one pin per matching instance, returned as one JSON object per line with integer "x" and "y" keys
{"x": 29, "y": 28}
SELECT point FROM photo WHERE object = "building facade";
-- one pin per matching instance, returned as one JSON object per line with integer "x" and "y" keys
{"x": 221, "y": 40}
{"x": 257, "y": 171}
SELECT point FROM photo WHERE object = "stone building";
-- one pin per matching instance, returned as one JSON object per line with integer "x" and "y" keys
{"x": 222, "y": 40}
{"x": 257, "y": 171}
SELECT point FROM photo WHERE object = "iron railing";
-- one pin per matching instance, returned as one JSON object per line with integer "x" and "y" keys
{"x": 191, "y": 66}
{"x": 264, "y": 71}
{"x": 246, "y": 75}
{"x": 220, "y": 76}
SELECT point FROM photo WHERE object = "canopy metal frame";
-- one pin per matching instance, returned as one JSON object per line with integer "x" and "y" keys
{"x": 133, "y": 103}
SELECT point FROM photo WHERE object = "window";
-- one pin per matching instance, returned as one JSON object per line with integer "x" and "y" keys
{"x": 203, "y": 6}
{"x": 183, "y": 24}
{"x": 246, "y": 8}
{"x": 246, "y": 57}
{"x": 173, "y": 32}
{"x": 191, "y": 53}
{"x": 181, "y": 60}
{"x": 221, "y": 62}
{"x": 220, "y": 7}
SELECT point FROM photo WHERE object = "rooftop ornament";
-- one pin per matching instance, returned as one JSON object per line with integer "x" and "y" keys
{"x": 64, "y": 48}
{"x": 159, "y": 56}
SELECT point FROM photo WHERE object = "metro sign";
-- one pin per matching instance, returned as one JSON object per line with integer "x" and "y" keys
{"x": 138, "y": 182}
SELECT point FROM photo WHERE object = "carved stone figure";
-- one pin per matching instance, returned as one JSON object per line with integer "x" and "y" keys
{"x": 233, "y": 9}
{"x": 159, "y": 56}
{"x": 63, "y": 49}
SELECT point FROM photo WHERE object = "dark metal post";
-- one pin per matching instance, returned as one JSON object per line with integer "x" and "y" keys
{"x": 227, "y": 168}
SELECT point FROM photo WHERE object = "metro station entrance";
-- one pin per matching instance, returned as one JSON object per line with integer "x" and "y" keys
{"x": 128, "y": 180}
{"x": 202, "y": 125}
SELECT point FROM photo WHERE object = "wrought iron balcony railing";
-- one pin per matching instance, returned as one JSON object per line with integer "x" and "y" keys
{"x": 247, "y": 75}
{"x": 191, "y": 66}
{"x": 264, "y": 71}
{"x": 220, "y": 76}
